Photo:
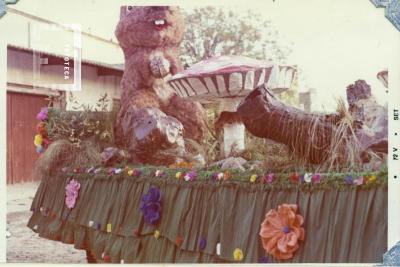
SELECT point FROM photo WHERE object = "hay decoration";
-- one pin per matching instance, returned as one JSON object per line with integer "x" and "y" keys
{"x": 62, "y": 153}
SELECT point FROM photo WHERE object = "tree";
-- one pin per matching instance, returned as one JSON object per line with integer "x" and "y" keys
{"x": 213, "y": 31}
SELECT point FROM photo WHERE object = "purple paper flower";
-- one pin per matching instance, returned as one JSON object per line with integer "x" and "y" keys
{"x": 348, "y": 179}
{"x": 214, "y": 177}
{"x": 316, "y": 178}
{"x": 270, "y": 177}
{"x": 203, "y": 243}
{"x": 190, "y": 176}
{"x": 150, "y": 205}
{"x": 264, "y": 259}
{"x": 137, "y": 172}
{"x": 111, "y": 171}
{"x": 43, "y": 114}
{"x": 71, "y": 193}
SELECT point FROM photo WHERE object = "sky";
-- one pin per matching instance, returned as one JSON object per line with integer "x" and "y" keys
{"x": 334, "y": 42}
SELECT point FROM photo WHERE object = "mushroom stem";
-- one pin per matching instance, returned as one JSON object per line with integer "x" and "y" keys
{"x": 234, "y": 133}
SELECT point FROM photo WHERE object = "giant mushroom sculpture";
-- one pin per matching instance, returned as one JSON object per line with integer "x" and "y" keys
{"x": 228, "y": 80}
{"x": 383, "y": 77}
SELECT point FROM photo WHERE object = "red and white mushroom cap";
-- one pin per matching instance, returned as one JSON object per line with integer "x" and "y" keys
{"x": 221, "y": 77}
{"x": 383, "y": 77}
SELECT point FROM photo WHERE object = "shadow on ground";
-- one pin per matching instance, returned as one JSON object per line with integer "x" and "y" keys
{"x": 24, "y": 245}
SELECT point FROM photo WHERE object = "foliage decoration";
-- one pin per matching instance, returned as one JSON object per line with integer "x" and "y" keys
{"x": 78, "y": 126}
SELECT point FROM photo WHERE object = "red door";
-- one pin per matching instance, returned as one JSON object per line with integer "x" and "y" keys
{"x": 21, "y": 129}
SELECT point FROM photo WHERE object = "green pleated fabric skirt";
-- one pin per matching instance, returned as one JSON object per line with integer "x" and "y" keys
{"x": 341, "y": 224}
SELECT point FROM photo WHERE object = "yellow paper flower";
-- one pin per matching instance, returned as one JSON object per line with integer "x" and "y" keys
{"x": 253, "y": 178}
{"x": 238, "y": 254}
{"x": 38, "y": 140}
{"x": 109, "y": 228}
{"x": 130, "y": 172}
{"x": 178, "y": 175}
{"x": 371, "y": 179}
{"x": 157, "y": 234}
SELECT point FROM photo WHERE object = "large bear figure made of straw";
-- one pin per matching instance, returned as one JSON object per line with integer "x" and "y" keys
{"x": 153, "y": 121}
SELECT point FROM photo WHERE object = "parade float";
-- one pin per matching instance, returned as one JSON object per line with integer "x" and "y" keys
{"x": 148, "y": 199}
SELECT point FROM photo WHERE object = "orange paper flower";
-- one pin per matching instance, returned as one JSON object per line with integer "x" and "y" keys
{"x": 178, "y": 240}
{"x": 182, "y": 164}
{"x": 41, "y": 128}
{"x": 281, "y": 230}
{"x": 227, "y": 175}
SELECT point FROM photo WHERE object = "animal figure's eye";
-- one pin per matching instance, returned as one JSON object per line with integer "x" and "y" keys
{"x": 129, "y": 8}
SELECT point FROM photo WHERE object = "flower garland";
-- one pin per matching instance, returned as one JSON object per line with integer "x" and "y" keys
{"x": 275, "y": 180}
{"x": 41, "y": 140}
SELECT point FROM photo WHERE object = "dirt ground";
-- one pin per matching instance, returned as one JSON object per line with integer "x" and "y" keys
{"x": 23, "y": 245}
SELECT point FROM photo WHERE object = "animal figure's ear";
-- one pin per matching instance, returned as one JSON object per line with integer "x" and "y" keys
{"x": 125, "y": 10}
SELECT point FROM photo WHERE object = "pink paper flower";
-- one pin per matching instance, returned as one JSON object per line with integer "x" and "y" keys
{"x": 270, "y": 177}
{"x": 359, "y": 181}
{"x": 43, "y": 114}
{"x": 316, "y": 178}
{"x": 190, "y": 176}
{"x": 71, "y": 193}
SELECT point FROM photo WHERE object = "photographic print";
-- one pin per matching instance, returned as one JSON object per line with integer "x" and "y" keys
{"x": 188, "y": 132}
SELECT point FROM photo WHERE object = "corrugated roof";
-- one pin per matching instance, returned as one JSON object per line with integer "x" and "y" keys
{"x": 117, "y": 67}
